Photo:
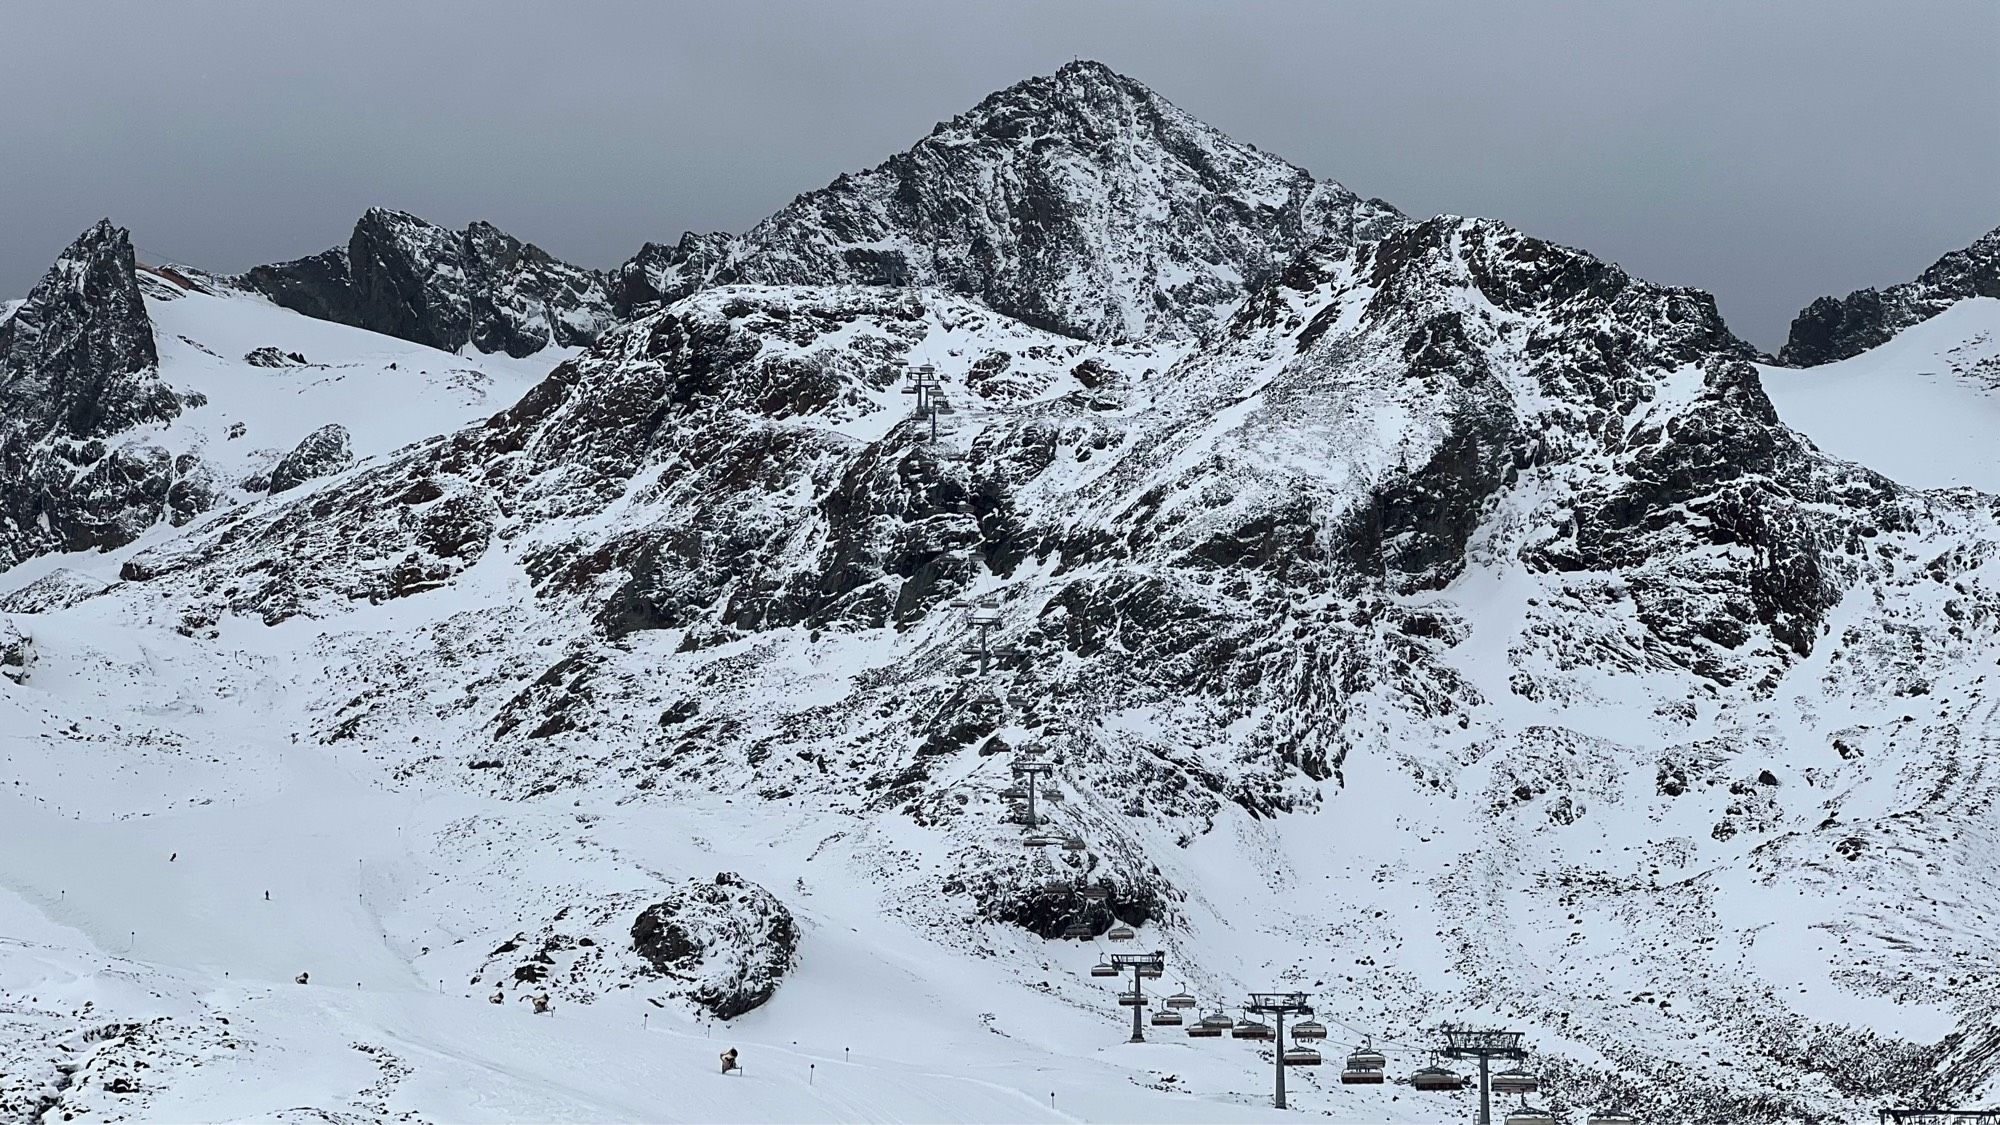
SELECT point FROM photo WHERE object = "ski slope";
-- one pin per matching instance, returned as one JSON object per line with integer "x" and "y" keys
{"x": 143, "y": 840}
{"x": 1921, "y": 409}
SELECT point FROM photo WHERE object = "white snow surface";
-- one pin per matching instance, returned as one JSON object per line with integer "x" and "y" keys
{"x": 1921, "y": 409}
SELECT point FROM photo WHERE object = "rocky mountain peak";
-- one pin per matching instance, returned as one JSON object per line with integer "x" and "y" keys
{"x": 1833, "y": 328}
{"x": 78, "y": 366}
{"x": 481, "y": 287}
{"x": 659, "y": 274}
{"x": 77, "y": 356}
{"x": 1080, "y": 202}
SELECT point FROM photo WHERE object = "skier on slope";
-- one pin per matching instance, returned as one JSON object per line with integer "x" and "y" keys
{"x": 729, "y": 1060}
{"x": 301, "y": 978}
{"x": 499, "y": 996}
{"x": 541, "y": 1003}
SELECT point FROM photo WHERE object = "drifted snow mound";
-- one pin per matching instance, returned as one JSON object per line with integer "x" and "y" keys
{"x": 728, "y": 942}
{"x": 321, "y": 453}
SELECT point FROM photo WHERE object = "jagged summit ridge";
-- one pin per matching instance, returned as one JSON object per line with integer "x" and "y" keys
{"x": 479, "y": 288}
{"x": 78, "y": 367}
{"x": 1080, "y": 202}
{"x": 1833, "y": 328}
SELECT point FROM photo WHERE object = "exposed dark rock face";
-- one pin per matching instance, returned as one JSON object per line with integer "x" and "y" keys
{"x": 1081, "y": 202}
{"x": 77, "y": 369}
{"x": 658, "y": 275}
{"x": 727, "y": 944}
{"x": 77, "y": 358}
{"x": 1835, "y": 328}
{"x": 479, "y": 287}
{"x": 320, "y": 453}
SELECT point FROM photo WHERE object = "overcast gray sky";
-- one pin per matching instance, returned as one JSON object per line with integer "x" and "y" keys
{"x": 1769, "y": 152}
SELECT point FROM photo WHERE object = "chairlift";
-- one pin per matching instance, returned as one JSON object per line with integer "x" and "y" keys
{"x": 1036, "y": 840}
{"x": 1131, "y": 1000}
{"x": 1075, "y": 844}
{"x": 1181, "y": 1000}
{"x": 1525, "y": 1114}
{"x": 1094, "y": 892}
{"x": 1014, "y": 793}
{"x": 1247, "y": 1028}
{"x": 1201, "y": 1030}
{"x": 1077, "y": 930}
{"x": 1151, "y": 972}
{"x": 1514, "y": 1082}
{"x": 1166, "y": 1017}
{"x": 1104, "y": 969}
{"x": 1122, "y": 933}
{"x": 1309, "y": 1029}
{"x": 1367, "y": 1057}
{"x": 1302, "y": 1056}
{"x": 1360, "y": 1076}
{"x": 1220, "y": 1021}
{"x": 1611, "y": 1117}
{"x": 1437, "y": 1079}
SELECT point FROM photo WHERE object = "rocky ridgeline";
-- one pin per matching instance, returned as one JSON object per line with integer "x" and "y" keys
{"x": 479, "y": 287}
{"x": 78, "y": 370}
{"x": 1834, "y": 328}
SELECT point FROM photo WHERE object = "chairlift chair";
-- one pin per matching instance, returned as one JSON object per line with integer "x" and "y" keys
{"x": 1131, "y": 1000}
{"x": 1360, "y": 1076}
{"x": 1525, "y": 1114}
{"x": 1075, "y": 844}
{"x": 1309, "y": 1029}
{"x": 1181, "y": 1000}
{"x": 1302, "y": 1056}
{"x": 1437, "y": 1079}
{"x": 1094, "y": 892}
{"x": 1611, "y": 1117}
{"x": 1076, "y": 931}
{"x": 1247, "y": 1028}
{"x": 1122, "y": 933}
{"x": 1201, "y": 1030}
{"x": 1104, "y": 969}
{"x": 1367, "y": 1057}
{"x": 1166, "y": 1017}
{"x": 1514, "y": 1082}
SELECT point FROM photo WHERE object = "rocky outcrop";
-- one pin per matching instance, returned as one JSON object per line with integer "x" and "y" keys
{"x": 726, "y": 944}
{"x": 77, "y": 358}
{"x": 479, "y": 287}
{"x": 16, "y": 650}
{"x": 1080, "y": 202}
{"x": 78, "y": 369}
{"x": 1833, "y": 328}
{"x": 658, "y": 275}
{"x": 320, "y": 453}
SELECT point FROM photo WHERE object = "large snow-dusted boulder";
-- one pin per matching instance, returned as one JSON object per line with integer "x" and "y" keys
{"x": 1081, "y": 202}
{"x": 415, "y": 280}
{"x": 321, "y": 453}
{"x": 1834, "y": 328}
{"x": 726, "y": 943}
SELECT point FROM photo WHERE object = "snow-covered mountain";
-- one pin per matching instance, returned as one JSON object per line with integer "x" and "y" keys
{"x": 1081, "y": 202}
{"x": 1833, "y": 328}
{"x": 1452, "y": 628}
